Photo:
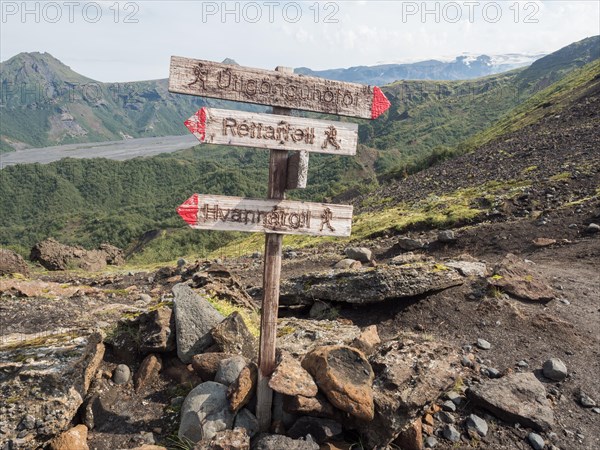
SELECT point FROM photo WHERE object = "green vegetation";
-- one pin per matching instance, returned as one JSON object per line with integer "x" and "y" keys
{"x": 459, "y": 207}
{"x": 132, "y": 203}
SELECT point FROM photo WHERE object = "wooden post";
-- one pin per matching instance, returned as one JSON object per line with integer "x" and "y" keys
{"x": 271, "y": 275}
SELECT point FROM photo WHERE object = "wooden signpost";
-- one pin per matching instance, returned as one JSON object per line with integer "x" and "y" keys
{"x": 217, "y": 212}
{"x": 270, "y": 131}
{"x": 272, "y": 88}
{"x": 280, "y": 133}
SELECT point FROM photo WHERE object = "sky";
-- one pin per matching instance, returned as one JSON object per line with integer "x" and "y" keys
{"x": 133, "y": 40}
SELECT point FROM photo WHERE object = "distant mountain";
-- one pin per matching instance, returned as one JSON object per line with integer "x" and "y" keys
{"x": 464, "y": 67}
{"x": 43, "y": 102}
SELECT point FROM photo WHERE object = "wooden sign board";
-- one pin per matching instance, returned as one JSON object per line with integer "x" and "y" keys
{"x": 271, "y": 131}
{"x": 216, "y": 212}
{"x": 266, "y": 87}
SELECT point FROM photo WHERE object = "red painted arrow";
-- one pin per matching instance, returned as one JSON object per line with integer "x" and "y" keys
{"x": 197, "y": 124}
{"x": 189, "y": 209}
{"x": 380, "y": 103}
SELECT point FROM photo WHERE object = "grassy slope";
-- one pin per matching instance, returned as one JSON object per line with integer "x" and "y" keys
{"x": 459, "y": 206}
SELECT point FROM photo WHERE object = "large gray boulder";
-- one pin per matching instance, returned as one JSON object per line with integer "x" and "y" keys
{"x": 205, "y": 412}
{"x": 361, "y": 254}
{"x": 369, "y": 285}
{"x": 519, "y": 397}
{"x": 194, "y": 319}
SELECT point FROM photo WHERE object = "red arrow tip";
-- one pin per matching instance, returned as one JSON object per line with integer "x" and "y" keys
{"x": 189, "y": 210}
{"x": 380, "y": 103}
{"x": 197, "y": 124}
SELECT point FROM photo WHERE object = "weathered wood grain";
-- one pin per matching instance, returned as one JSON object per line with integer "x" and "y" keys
{"x": 216, "y": 212}
{"x": 270, "y": 131}
{"x": 266, "y": 87}
{"x": 297, "y": 170}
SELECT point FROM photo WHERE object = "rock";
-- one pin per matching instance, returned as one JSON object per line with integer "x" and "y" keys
{"x": 408, "y": 244}
{"x": 179, "y": 372}
{"x": 483, "y": 344}
{"x": 445, "y": 416}
{"x": 56, "y": 256}
{"x": 121, "y": 374}
{"x": 543, "y": 242}
{"x": 446, "y": 236}
{"x": 412, "y": 437}
{"x": 449, "y": 405}
{"x": 207, "y": 364}
{"x": 517, "y": 397}
{"x": 114, "y": 256}
{"x": 225, "y": 286}
{"x": 399, "y": 367}
{"x": 194, "y": 319}
{"x": 451, "y": 433}
{"x": 205, "y": 412}
{"x": 236, "y": 439}
{"x": 12, "y": 262}
{"x": 345, "y": 377}
{"x": 240, "y": 392}
{"x": 48, "y": 381}
{"x": 361, "y": 254}
{"x": 318, "y": 428}
{"x": 477, "y": 424}
{"x": 290, "y": 378}
{"x": 311, "y": 406}
{"x": 181, "y": 263}
{"x": 514, "y": 277}
{"x": 279, "y": 442}
{"x": 322, "y": 310}
{"x": 348, "y": 264}
{"x": 554, "y": 369}
{"x": 469, "y": 268}
{"x": 369, "y": 285}
{"x": 455, "y": 397}
{"x": 300, "y": 336}
{"x": 229, "y": 369}
{"x": 585, "y": 400}
{"x": 592, "y": 228}
{"x": 232, "y": 336}
{"x": 431, "y": 442}
{"x": 368, "y": 340}
{"x": 248, "y": 421}
{"x": 75, "y": 438}
{"x": 409, "y": 258}
{"x": 147, "y": 372}
{"x": 150, "y": 447}
{"x": 157, "y": 331}
{"x": 536, "y": 441}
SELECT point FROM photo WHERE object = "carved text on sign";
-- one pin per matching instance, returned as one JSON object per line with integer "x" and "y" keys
{"x": 276, "y": 218}
{"x": 286, "y": 90}
{"x": 227, "y": 80}
{"x": 283, "y": 132}
{"x": 272, "y": 131}
{"x": 217, "y": 212}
